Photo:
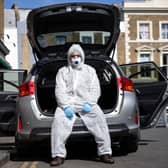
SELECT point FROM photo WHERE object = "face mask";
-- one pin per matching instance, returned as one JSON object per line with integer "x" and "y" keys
{"x": 76, "y": 61}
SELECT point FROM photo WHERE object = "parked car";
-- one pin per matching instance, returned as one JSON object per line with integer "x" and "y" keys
{"x": 9, "y": 91}
{"x": 51, "y": 31}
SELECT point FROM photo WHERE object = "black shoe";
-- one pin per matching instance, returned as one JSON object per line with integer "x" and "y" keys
{"x": 107, "y": 159}
{"x": 57, "y": 161}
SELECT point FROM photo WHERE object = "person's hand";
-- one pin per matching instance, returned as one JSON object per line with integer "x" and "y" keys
{"x": 68, "y": 112}
{"x": 86, "y": 108}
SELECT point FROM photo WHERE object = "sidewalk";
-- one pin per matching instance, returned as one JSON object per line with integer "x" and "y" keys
{"x": 6, "y": 145}
{"x": 4, "y": 157}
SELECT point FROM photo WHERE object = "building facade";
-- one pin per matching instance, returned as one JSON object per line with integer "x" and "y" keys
{"x": 146, "y": 31}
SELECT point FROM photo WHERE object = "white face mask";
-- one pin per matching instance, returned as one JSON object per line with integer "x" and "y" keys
{"x": 76, "y": 61}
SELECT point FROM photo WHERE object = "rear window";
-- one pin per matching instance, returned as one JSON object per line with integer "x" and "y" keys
{"x": 84, "y": 37}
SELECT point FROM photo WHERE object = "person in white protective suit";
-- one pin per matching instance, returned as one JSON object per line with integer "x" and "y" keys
{"x": 77, "y": 92}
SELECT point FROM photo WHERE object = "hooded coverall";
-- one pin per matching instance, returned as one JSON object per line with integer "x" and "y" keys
{"x": 74, "y": 87}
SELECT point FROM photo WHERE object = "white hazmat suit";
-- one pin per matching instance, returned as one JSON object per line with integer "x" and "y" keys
{"x": 77, "y": 87}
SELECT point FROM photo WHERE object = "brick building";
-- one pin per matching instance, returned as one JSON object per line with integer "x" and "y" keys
{"x": 146, "y": 31}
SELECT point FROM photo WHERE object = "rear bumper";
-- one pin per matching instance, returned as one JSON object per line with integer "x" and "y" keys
{"x": 116, "y": 132}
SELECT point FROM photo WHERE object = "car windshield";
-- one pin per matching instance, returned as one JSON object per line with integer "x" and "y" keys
{"x": 84, "y": 37}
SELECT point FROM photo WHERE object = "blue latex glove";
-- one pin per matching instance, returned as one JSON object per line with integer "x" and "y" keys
{"x": 86, "y": 108}
{"x": 68, "y": 112}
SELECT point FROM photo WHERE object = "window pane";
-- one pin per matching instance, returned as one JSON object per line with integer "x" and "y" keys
{"x": 144, "y": 57}
{"x": 144, "y": 69}
{"x": 142, "y": 73}
{"x": 60, "y": 40}
{"x": 144, "y": 31}
{"x": 86, "y": 39}
{"x": 9, "y": 81}
{"x": 165, "y": 59}
{"x": 165, "y": 64}
{"x": 164, "y": 31}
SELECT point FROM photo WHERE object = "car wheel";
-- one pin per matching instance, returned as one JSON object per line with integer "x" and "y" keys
{"x": 129, "y": 144}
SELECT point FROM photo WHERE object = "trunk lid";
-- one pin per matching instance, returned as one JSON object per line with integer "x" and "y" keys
{"x": 52, "y": 29}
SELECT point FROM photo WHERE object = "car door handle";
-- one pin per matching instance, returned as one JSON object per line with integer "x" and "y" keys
{"x": 11, "y": 97}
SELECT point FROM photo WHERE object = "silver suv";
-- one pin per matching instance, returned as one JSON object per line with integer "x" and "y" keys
{"x": 51, "y": 31}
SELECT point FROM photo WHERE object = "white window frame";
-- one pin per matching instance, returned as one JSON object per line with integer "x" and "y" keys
{"x": 161, "y": 61}
{"x": 162, "y": 50}
{"x": 160, "y": 30}
{"x": 145, "y": 52}
{"x": 150, "y": 30}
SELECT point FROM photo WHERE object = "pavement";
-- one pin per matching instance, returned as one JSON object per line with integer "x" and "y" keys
{"x": 6, "y": 145}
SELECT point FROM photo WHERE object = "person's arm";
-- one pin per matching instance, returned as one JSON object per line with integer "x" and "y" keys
{"x": 62, "y": 97}
{"x": 94, "y": 91}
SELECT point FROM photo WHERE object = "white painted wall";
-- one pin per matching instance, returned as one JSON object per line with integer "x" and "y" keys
{"x": 11, "y": 43}
{"x": 22, "y": 30}
{"x": 14, "y": 32}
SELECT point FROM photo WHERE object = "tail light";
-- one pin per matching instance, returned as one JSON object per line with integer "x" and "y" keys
{"x": 125, "y": 84}
{"x": 19, "y": 125}
{"x": 136, "y": 118}
{"x": 26, "y": 89}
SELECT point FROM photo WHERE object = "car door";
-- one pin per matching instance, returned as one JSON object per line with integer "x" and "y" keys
{"x": 151, "y": 88}
{"x": 9, "y": 85}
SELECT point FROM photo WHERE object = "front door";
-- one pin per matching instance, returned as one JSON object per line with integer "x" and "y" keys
{"x": 9, "y": 85}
